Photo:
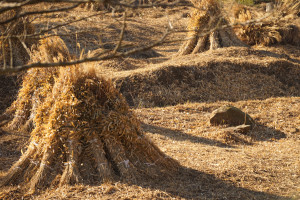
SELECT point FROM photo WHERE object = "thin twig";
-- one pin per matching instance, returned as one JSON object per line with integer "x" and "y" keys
{"x": 84, "y": 60}
{"x": 38, "y": 12}
{"x": 121, "y": 34}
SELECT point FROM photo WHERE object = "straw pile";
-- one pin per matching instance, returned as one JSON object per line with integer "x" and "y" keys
{"x": 218, "y": 75}
{"x": 83, "y": 131}
{"x": 15, "y": 50}
{"x": 269, "y": 31}
{"x": 203, "y": 34}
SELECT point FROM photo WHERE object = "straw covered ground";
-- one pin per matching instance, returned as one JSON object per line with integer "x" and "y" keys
{"x": 170, "y": 100}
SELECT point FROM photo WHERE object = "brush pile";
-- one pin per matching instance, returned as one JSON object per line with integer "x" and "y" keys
{"x": 14, "y": 43}
{"x": 82, "y": 130}
{"x": 207, "y": 29}
{"x": 273, "y": 29}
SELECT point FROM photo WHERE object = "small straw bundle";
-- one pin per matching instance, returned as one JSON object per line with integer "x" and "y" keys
{"x": 82, "y": 132}
{"x": 274, "y": 29}
{"x": 205, "y": 31}
{"x": 37, "y": 83}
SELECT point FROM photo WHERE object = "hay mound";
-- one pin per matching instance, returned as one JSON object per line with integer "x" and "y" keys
{"x": 268, "y": 31}
{"x": 206, "y": 17}
{"x": 16, "y": 50}
{"x": 219, "y": 75}
{"x": 83, "y": 132}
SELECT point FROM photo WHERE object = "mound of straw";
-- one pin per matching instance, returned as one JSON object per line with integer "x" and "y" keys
{"x": 14, "y": 43}
{"x": 82, "y": 130}
{"x": 215, "y": 76}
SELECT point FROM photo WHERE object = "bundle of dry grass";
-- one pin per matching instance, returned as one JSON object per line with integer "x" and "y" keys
{"x": 292, "y": 7}
{"x": 203, "y": 26}
{"x": 83, "y": 132}
{"x": 14, "y": 43}
{"x": 271, "y": 30}
{"x": 37, "y": 83}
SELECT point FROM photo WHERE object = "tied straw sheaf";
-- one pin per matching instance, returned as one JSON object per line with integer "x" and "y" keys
{"x": 82, "y": 130}
{"x": 273, "y": 28}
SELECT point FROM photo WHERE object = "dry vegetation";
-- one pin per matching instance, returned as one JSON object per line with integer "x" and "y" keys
{"x": 171, "y": 100}
{"x": 207, "y": 16}
{"x": 81, "y": 129}
{"x": 21, "y": 45}
{"x": 277, "y": 26}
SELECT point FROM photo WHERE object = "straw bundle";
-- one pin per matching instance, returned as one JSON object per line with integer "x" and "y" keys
{"x": 292, "y": 7}
{"x": 37, "y": 83}
{"x": 271, "y": 30}
{"x": 203, "y": 26}
{"x": 83, "y": 132}
{"x": 14, "y": 43}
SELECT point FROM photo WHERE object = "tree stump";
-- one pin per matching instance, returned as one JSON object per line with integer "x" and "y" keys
{"x": 82, "y": 132}
{"x": 208, "y": 29}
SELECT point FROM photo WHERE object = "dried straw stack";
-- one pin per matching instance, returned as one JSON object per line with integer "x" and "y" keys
{"x": 274, "y": 29}
{"x": 206, "y": 31}
{"x": 82, "y": 131}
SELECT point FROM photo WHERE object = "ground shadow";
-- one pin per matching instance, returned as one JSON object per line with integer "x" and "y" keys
{"x": 259, "y": 132}
{"x": 8, "y": 90}
{"x": 181, "y": 136}
{"x": 185, "y": 183}
{"x": 10, "y": 148}
{"x": 277, "y": 55}
{"x": 189, "y": 183}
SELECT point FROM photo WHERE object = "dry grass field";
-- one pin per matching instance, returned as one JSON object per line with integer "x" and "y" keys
{"x": 173, "y": 98}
